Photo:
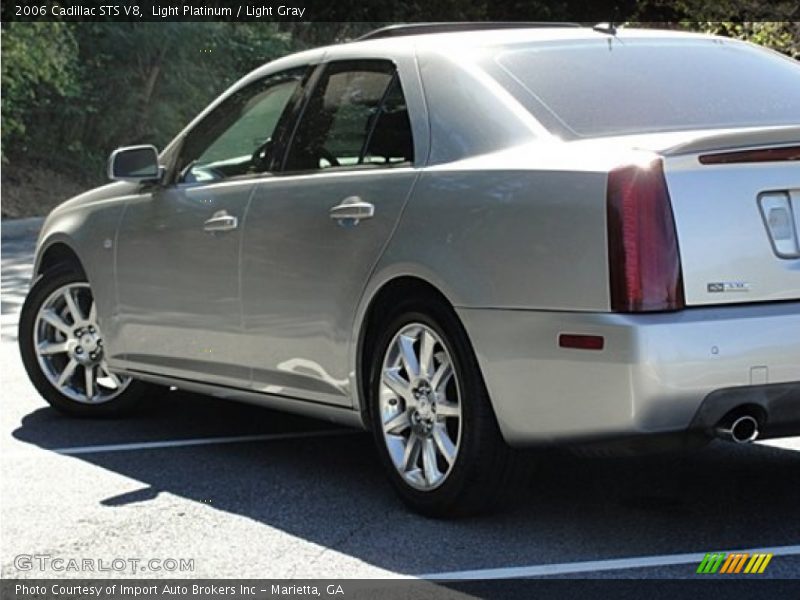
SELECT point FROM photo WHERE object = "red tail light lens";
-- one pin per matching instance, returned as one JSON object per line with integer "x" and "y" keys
{"x": 644, "y": 264}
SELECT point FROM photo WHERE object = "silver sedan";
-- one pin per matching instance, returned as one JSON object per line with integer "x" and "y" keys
{"x": 468, "y": 240}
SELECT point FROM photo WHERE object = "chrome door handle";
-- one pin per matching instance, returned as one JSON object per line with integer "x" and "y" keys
{"x": 221, "y": 221}
{"x": 352, "y": 209}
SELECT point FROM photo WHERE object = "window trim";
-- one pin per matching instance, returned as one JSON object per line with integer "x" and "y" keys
{"x": 314, "y": 81}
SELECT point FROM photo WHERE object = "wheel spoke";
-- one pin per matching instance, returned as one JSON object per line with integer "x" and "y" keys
{"x": 67, "y": 373}
{"x": 408, "y": 356}
{"x": 54, "y": 320}
{"x": 398, "y": 385}
{"x": 444, "y": 409}
{"x": 411, "y": 454}
{"x": 72, "y": 307}
{"x": 445, "y": 445}
{"x": 397, "y": 424}
{"x": 88, "y": 373}
{"x": 46, "y": 349}
{"x": 93, "y": 313}
{"x": 429, "y": 467}
{"x": 426, "y": 344}
{"x": 442, "y": 375}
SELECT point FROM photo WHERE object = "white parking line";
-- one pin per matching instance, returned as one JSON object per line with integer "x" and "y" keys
{"x": 595, "y": 565}
{"x": 202, "y": 441}
{"x": 789, "y": 443}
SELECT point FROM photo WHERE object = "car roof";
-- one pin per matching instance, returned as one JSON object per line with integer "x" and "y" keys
{"x": 456, "y": 42}
{"x": 405, "y": 30}
{"x": 505, "y": 35}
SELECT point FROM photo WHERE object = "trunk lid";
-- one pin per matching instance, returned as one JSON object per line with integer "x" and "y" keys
{"x": 736, "y": 202}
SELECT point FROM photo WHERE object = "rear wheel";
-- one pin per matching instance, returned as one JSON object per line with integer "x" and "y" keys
{"x": 62, "y": 349}
{"x": 434, "y": 426}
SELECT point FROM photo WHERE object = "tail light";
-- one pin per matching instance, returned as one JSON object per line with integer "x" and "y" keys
{"x": 644, "y": 264}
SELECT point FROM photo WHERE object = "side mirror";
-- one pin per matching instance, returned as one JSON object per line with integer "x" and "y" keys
{"x": 134, "y": 163}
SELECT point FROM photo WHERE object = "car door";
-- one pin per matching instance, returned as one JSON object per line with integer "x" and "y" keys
{"x": 315, "y": 232}
{"x": 178, "y": 248}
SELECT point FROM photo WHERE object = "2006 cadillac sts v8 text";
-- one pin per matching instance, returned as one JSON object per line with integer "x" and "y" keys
{"x": 466, "y": 238}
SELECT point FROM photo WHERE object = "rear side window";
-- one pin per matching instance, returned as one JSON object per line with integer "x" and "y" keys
{"x": 356, "y": 115}
{"x": 628, "y": 86}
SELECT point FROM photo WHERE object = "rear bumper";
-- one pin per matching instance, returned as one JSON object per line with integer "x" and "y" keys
{"x": 658, "y": 373}
{"x": 776, "y": 406}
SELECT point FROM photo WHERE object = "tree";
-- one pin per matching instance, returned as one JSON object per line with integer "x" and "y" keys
{"x": 38, "y": 67}
{"x": 73, "y": 92}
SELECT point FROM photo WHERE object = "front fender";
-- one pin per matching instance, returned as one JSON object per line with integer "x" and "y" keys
{"x": 88, "y": 230}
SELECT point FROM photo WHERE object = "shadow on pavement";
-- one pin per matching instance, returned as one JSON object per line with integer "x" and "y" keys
{"x": 331, "y": 491}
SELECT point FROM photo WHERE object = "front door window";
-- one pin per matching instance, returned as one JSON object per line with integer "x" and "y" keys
{"x": 234, "y": 138}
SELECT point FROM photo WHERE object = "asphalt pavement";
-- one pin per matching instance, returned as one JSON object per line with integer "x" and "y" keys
{"x": 231, "y": 490}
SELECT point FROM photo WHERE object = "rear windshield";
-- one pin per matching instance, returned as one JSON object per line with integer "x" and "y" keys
{"x": 612, "y": 87}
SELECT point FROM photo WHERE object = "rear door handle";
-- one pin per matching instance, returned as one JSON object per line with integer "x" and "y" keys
{"x": 352, "y": 209}
{"x": 221, "y": 221}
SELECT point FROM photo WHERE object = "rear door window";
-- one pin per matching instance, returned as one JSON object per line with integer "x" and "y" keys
{"x": 391, "y": 142}
{"x": 355, "y": 116}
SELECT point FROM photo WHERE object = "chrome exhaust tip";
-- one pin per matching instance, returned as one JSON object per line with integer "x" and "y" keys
{"x": 741, "y": 430}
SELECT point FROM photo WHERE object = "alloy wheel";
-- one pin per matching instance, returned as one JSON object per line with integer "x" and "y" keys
{"x": 69, "y": 347}
{"x": 420, "y": 404}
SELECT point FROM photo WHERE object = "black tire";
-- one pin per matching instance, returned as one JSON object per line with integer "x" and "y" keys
{"x": 42, "y": 288}
{"x": 484, "y": 471}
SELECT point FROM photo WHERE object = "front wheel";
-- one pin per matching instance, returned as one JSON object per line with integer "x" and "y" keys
{"x": 433, "y": 423}
{"x": 62, "y": 349}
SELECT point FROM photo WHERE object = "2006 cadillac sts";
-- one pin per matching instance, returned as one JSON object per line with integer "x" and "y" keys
{"x": 467, "y": 238}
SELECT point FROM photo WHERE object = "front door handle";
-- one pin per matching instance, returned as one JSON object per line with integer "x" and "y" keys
{"x": 221, "y": 221}
{"x": 352, "y": 209}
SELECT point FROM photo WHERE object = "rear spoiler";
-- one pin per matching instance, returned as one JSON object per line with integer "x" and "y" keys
{"x": 738, "y": 138}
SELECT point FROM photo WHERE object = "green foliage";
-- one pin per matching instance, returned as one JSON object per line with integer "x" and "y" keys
{"x": 772, "y": 23}
{"x": 783, "y": 36}
{"x": 38, "y": 67}
{"x": 74, "y": 91}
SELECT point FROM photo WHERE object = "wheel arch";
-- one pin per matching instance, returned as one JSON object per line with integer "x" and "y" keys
{"x": 57, "y": 252}
{"x": 381, "y": 301}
